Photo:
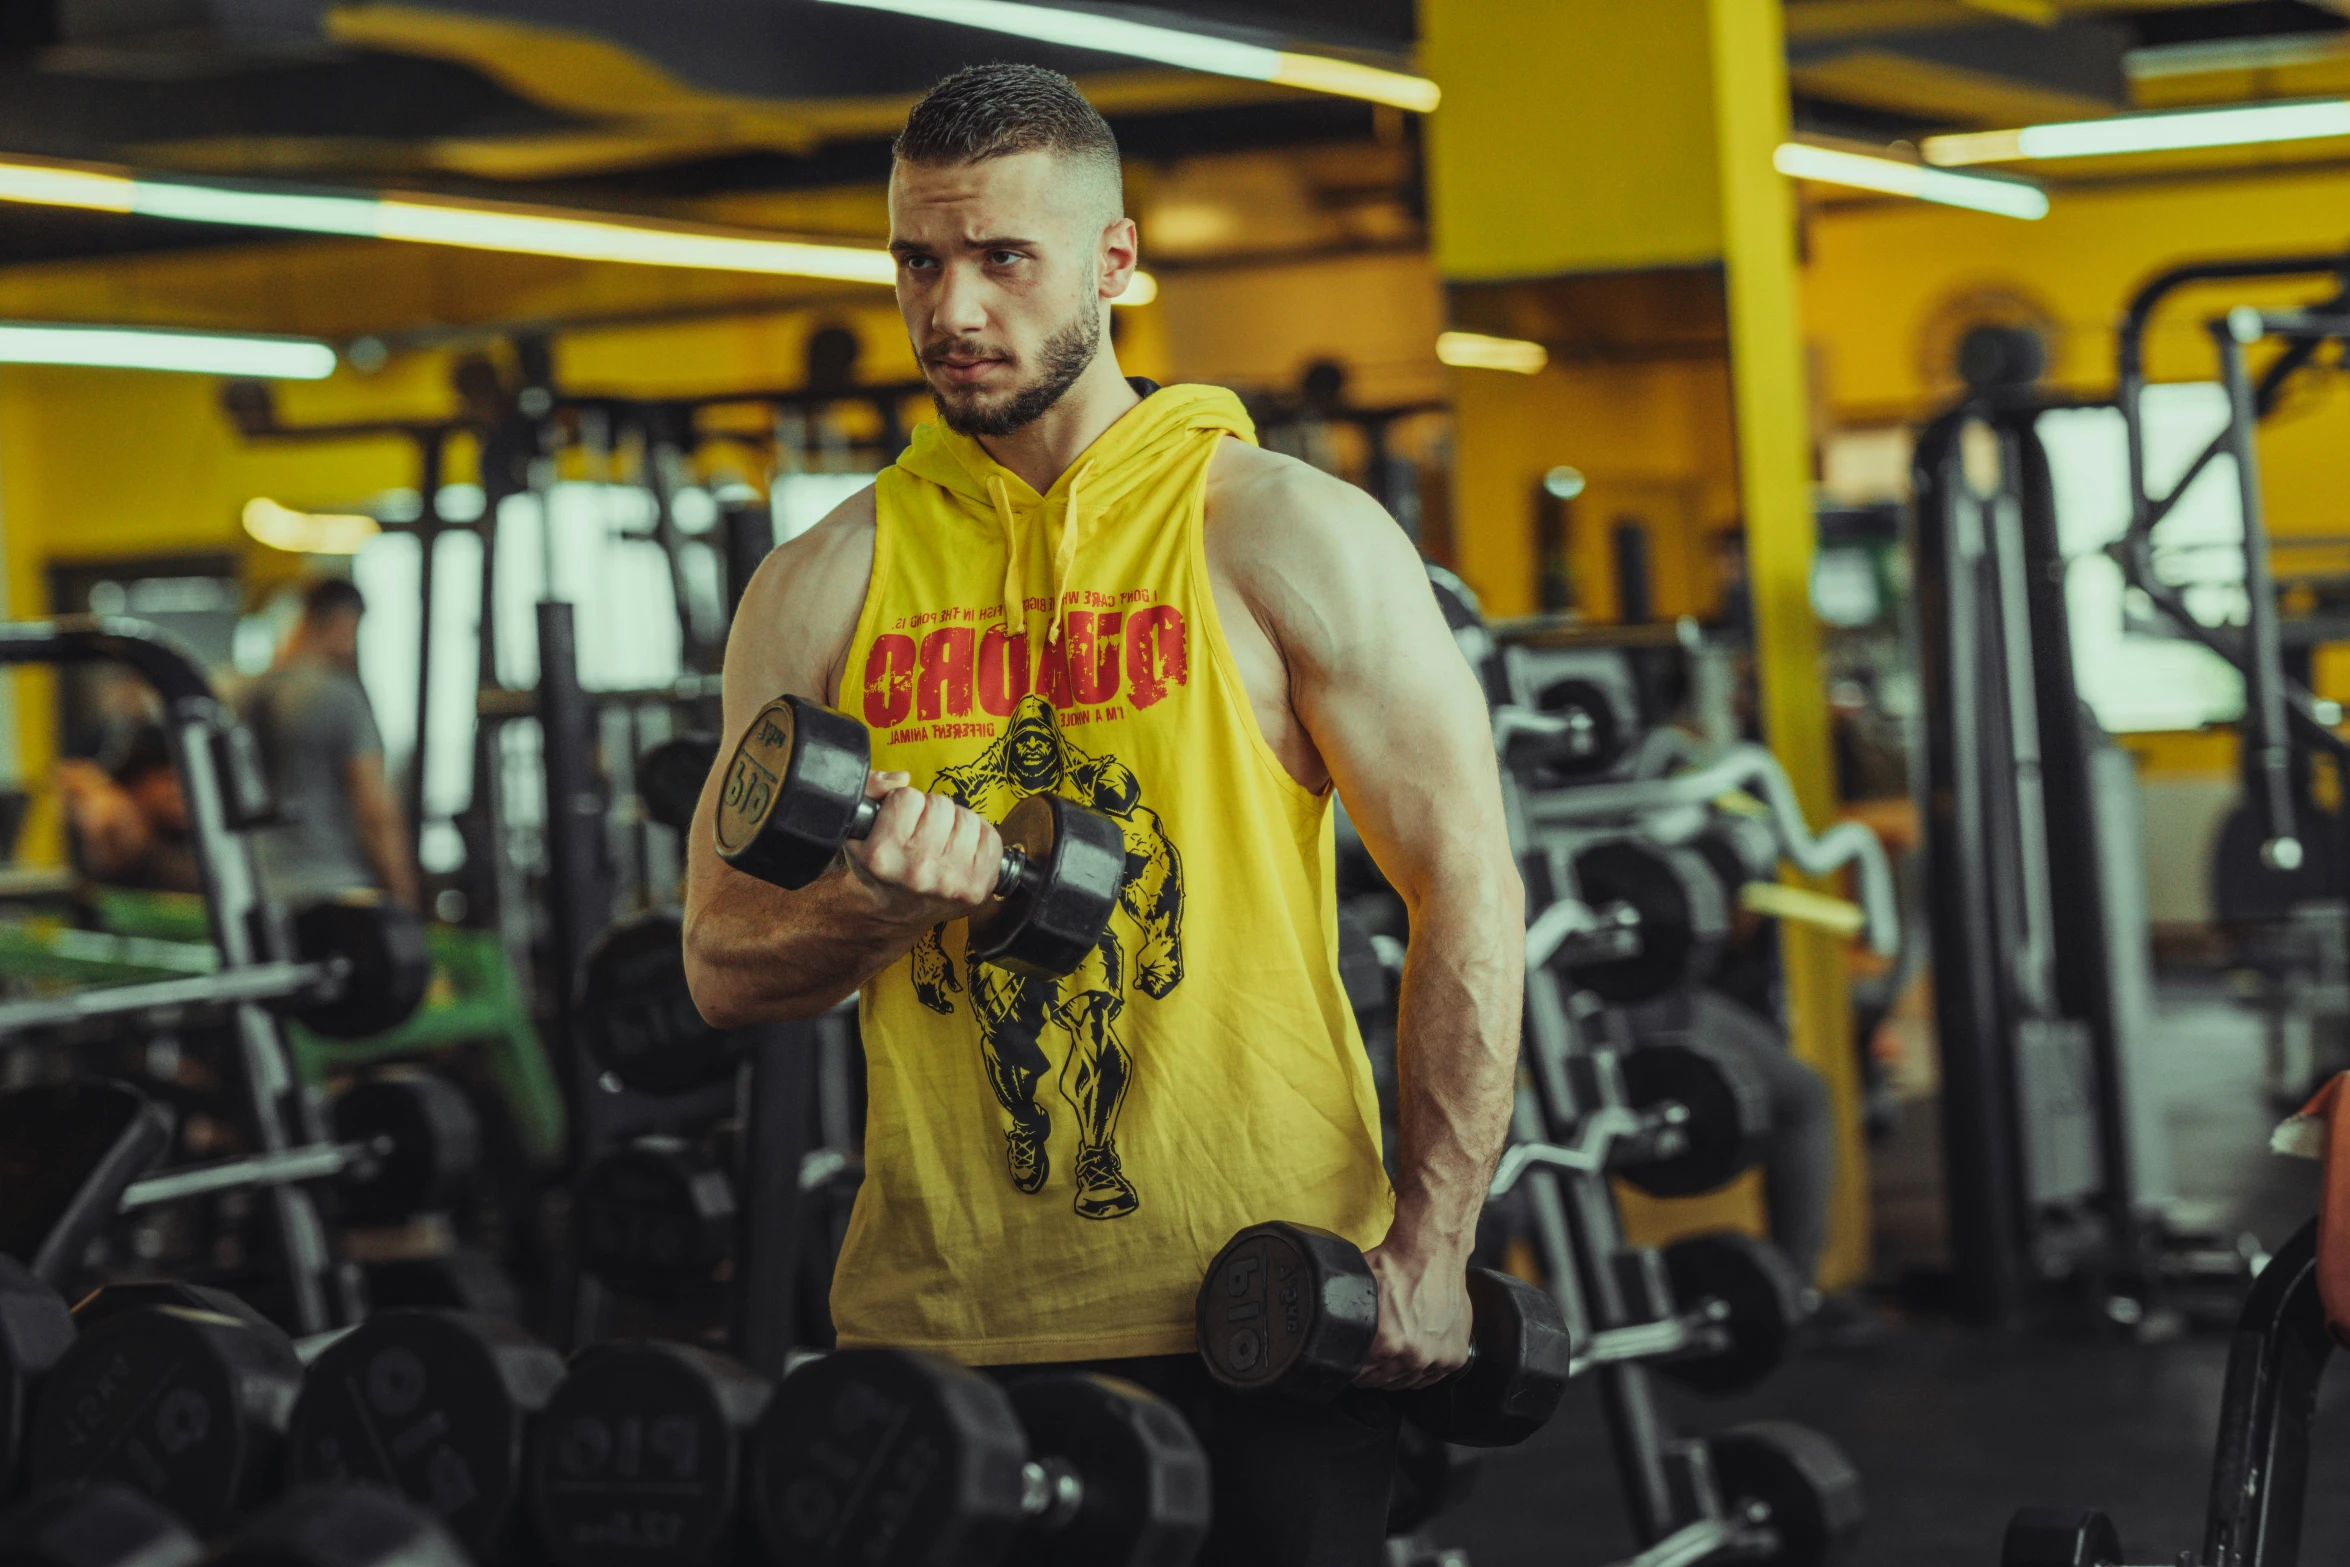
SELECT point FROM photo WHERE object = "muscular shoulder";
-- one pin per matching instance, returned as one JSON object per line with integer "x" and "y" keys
{"x": 800, "y": 610}
{"x": 1310, "y": 554}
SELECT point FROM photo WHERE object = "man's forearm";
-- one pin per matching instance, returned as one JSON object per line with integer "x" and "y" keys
{"x": 387, "y": 845}
{"x": 757, "y": 954}
{"x": 1457, "y": 1055}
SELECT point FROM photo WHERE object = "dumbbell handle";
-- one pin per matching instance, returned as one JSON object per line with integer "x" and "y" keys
{"x": 1018, "y": 874}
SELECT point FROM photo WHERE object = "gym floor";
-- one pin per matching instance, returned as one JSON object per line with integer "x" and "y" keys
{"x": 1953, "y": 1428}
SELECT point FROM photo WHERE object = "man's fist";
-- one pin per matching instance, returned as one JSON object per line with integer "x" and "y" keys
{"x": 929, "y": 857}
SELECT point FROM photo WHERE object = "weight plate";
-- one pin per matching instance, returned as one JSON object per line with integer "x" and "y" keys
{"x": 1048, "y": 925}
{"x": 1762, "y": 1299}
{"x": 637, "y": 1012}
{"x": 655, "y": 1218}
{"x": 102, "y": 1525}
{"x": 1146, "y": 1496}
{"x": 187, "y": 1406}
{"x": 887, "y": 1458}
{"x": 35, "y": 1332}
{"x": 388, "y": 972}
{"x": 792, "y": 789}
{"x": 1796, "y": 1482}
{"x": 670, "y": 778}
{"x": 638, "y": 1458}
{"x": 424, "y": 1139}
{"x": 1728, "y": 1105}
{"x": 343, "y": 1526}
{"x": 434, "y": 1405}
{"x": 1287, "y": 1306}
{"x": 1684, "y": 917}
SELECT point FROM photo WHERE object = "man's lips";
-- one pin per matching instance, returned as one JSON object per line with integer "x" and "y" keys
{"x": 964, "y": 372}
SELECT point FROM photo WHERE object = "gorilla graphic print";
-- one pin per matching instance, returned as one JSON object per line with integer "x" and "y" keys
{"x": 1019, "y": 1017}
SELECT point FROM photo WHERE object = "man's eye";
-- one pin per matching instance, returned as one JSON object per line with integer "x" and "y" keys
{"x": 916, "y": 263}
{"x": 1003, "y": 258}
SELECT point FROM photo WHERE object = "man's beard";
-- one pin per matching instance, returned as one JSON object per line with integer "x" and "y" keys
{"x": 1062, "y": 360}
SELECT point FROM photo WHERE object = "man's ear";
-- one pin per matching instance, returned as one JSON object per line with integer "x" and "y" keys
{"x": 1121, "y": 248}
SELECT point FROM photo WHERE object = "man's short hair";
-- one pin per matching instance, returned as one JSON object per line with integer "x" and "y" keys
{"x": 331, "y": 596}
{"x": 994, "y": 111}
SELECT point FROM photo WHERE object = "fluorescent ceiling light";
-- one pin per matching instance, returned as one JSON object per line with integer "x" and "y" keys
{"x": 1476, "y": 351}
{"x": 153, "y": 348}
{"x": 307, "y": 532}
{"x": 1171, "y": 46}
{"x": 511, "y": 227}
{"x": 1832, "y": 166}
{"x": 2125, "y": 133}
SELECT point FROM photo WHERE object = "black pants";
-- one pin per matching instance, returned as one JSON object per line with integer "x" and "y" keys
{"x": 1296, "y": 1484}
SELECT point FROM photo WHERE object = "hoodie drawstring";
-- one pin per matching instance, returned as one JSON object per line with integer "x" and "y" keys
{"x": 1065, "y": 558}
{"x": 1015, "y": 617}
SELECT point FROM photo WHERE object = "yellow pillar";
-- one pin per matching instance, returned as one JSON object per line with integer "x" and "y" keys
{"x": 1585, "y": 145}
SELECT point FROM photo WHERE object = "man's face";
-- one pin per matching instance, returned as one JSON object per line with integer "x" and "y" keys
{"x": 1035, "y": 746}
{"x": 338, "y": 636}
{"x": 1002, "y": 267}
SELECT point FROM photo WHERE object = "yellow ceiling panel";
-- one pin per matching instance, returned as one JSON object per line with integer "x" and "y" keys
{"x": 1881, "y": 79}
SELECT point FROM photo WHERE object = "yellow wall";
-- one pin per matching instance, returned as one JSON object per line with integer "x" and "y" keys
{"x": 1576, "y": 136}
{"x": 1655, "y": 441}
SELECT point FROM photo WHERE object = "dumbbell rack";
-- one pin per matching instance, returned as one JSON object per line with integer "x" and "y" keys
{"x": 227, "y": 795}
{"x": 1574, "y": 1120}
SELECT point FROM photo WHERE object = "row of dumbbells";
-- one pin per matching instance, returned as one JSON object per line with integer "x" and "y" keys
{"x": 659, "y": 1454}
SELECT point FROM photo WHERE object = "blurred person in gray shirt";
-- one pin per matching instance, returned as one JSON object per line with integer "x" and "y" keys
{"x": 342, "y": 828}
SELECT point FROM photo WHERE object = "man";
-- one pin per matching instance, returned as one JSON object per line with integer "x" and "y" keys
{"x": 129, "y": 818}
{"x": 343, "y": 830}
{"x": 1074, "y": 586}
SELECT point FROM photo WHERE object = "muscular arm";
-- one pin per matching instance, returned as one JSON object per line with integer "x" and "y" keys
{"x": 376, "y": 815}
{"x": 755, "y": 953}
{"x": 1395, "y": 716}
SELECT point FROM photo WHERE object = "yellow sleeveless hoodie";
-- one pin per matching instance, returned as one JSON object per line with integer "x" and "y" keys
{"x": 1049, "y": 1166}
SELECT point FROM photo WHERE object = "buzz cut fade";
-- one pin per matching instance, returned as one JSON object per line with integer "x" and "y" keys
{"x": 996, "y": 111}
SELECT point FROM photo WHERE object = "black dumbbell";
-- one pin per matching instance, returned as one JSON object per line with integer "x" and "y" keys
{"x": 639, "y": 1457}
{"x": 36, "y": 1331}
{"x": 343, "y": 1526}
{"x": 655, "y": 1218}
{"x": 637, "y": 1015}
{"x": 434, "y": 1405}
{"x": 670, "y": 777}
{"x": 424, "y": 1140}
{"x": 1711, "y": 1109}
{"x": 1683, "y": 917}
{"x": 795, "y": 793}
{"x": 187, "y": 1405}
{"x": 885, "y": 1457}
{"x": 102, "y": 1525}
{"x": 1751, "y": 1299}
{"x": 1292, "y": 1309}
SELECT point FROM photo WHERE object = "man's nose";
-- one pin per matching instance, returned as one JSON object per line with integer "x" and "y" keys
{"x": 958, "y": 307}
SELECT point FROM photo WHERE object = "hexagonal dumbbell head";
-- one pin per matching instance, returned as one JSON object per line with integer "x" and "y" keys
{"x": 1138, "y": 1492}
{"x": 1287, "y": 1307}
{"x": 1072, "y": 863}
{"x": 188, "y": 1406}
{"x": 434, "y": 1405}
{"x": 1520, "y": 1360}
{"x": 639, "y": 1458}
{"x": 793, "y": 792}
{"x": 887, "y": 1458}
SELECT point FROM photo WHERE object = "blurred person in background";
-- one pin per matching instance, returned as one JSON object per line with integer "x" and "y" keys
{"x": 126, "y": 818}
{"x": 341, "y": 827}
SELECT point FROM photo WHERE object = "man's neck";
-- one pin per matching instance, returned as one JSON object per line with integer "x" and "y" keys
{"x": 1042, "y": 451}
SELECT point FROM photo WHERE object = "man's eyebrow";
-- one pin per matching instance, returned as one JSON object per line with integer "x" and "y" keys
{"x": 907, "y": 247}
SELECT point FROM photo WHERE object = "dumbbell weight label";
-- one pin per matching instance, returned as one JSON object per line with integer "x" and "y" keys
{"x": 1262, "y": 1291}
{"x": 433, "y": 1405}
{"x": 750, "y": 792}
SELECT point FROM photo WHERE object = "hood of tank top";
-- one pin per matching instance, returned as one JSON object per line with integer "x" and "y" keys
{"x": 1123, "y": 458}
